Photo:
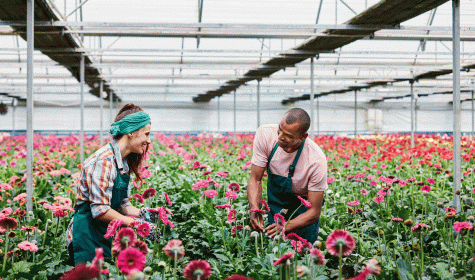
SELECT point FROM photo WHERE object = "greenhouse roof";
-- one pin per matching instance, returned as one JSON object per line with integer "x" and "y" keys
{"x": 179, "y": 52}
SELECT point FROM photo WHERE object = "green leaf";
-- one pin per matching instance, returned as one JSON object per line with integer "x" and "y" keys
{"x": 21, "y": 267}
{"x": 404, "y": 270}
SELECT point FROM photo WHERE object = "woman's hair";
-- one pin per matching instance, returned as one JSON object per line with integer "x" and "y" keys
{"x": 133, "y": 160}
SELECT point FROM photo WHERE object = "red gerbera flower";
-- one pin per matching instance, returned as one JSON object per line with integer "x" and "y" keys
{"x": 8, "y": 223}
{"x": 149, "y": 193}
{"x": 284, "y": 258}
{"x": 125, "y": 238}
{"x": 265, "y": 206}
{"x": 305, "y": 202}
{"x": 81, "y": 272}
{"x": 167, "y": 199}
{"x": 232, "y": 215}
{"x": 234, "y": 187}
{"x": 112, "y": 227}
{"x": 233, "y": 230}
{"x": 197, "y": 268}
{"x": 419, "y": 227}
{"x": 279, "y": 219}
{"x": 340, "y": 239}
{"x": 130, "y": 259}
{"x": 138, "y": 198}
{"x": 143, "y": 230}
{"x": 142, "y": 246}
{"x": 317, "y": 256}
{"x": 173, "y": 247}
{"x": 237, "y": 277}
{"x": 223, "y": 206}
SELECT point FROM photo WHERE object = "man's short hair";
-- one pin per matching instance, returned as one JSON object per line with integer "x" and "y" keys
{"x": 298, "y": 115}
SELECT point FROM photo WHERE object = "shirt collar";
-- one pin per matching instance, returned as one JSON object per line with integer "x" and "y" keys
{"x": 121, "y": 163}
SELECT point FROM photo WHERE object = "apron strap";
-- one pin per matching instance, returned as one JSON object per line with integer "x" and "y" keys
{"x": 272, "y": 154}
{"x": 292, "y": 167}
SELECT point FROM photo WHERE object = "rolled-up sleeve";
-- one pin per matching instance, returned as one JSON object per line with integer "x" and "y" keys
{"x": 101, "y": 182}
{"x": 318, "y": 178}
{"x": 259, "y": 150}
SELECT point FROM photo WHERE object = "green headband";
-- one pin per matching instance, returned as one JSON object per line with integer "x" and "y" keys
{"x": 130, "y": 123}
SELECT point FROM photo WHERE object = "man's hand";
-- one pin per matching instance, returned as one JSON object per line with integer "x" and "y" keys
{"x": 256, "y": 223}
{"x": 272, "y": 230}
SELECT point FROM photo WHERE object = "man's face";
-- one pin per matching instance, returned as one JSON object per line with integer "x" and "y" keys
{"x": 289, "y": 136}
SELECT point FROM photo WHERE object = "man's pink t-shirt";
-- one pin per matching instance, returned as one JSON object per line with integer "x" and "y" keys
{"x": 311, "y": 170}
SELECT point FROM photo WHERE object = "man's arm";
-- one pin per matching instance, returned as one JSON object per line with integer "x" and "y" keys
{"x": 254, "y": 195}
{"x": 307, "y": 218}
{"x": 111, "y": 214}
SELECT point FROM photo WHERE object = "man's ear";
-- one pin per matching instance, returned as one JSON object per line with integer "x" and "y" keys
{"x": 304, "y": 136}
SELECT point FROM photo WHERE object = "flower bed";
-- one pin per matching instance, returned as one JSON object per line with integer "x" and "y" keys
{"x": 389, "y": 201}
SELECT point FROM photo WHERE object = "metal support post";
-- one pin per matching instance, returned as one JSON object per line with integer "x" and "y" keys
{"x": 412, "y": 113}
{"x": 13, "y": 116}
{"x": 110, "y": 109}
{"x": 219, "y": 116}
{"x": 258, "y": 103}
{"x": 234, "y": 110}
{"x": 81, "y": 74}
{"x": 456, "y": 101}
{"x": 356, "y": 111}
{"x": 473, "y": 118}
{"x": 416, "y": 97}
{"x": 30, "y": 11}
{"x": 318, "y": 116}
{"x": 312, "y": 100}
{"x": 101, "y": 88}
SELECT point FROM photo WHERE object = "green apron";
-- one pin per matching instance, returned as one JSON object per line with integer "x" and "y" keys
{"x": 280, "y": 196}
{"x": 88, "y": 232}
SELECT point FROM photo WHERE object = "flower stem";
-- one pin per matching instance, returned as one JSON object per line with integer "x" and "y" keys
{"x": 174, "y": 264}
{"x": 6, "y": 250}
{"x": 340, "y": 263}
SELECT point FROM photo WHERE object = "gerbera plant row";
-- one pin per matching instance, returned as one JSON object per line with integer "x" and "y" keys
{"x": 388, "y": 212}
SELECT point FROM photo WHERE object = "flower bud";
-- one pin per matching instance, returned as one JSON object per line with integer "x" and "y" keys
{"x": 147, "y": 270}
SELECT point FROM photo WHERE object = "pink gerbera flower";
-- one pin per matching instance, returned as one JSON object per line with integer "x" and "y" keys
{"x": 130, "y": 259}
{"x": 138, "y": 198}
{"x": 112, "y": 228}
{"x": 353, "y": 203}
{"x": 265, "y": 206}
{"x": 284, "y": 258}
{"x": 202, "y": 184}
{"x": 258, "y": 211}
{"x": 305, "y": 202}
{"x": 231, "y": 195}
{"x": 397, "y": 220}
{"x": 363, "y": 192}
{"x": 6, "y": 212}
{"x": 450, "y": 210}
{"x": 28, "y": 246}
{"x": 232, "y": 215}
{"x": 149, "y": 193}
{"x": 143, "y": 230}
{"x": 330, "y": 180}
{"x": 419, "y": 227}
{"x": 340, "y": 239}
{"x": 426, "y": 189}
{"x": 234, "y": 187}
{"x": 195, "y": 269}
{"x": 222, "y": 206}
{"x": 279, "y": 219}
{"x": 167, "y": 199}
{"x": 235, "y": 228}
{"x": 378, "y": 199}
{"x": 124, "y": 239}
{"x": 174, "y": 249}
{"x": 223, "y": 174}
{"x": 458, "y": 226}
{"x": 431, "y": 181}
{"x": 162, "y": 213}
{"x": 210, "y": 193}
{"x": 317, "y": 256}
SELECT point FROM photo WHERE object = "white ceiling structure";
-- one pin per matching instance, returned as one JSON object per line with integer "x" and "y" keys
{"x": 174, "y": 51}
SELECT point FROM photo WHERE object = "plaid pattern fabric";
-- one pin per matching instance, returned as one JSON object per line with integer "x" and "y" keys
{"x": 97, "y": 180}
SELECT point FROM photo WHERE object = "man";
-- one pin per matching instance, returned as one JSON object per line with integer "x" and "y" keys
{"x": 296, "y": 166}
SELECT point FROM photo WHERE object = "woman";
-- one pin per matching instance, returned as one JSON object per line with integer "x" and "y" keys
{"x": 102, "y": 192}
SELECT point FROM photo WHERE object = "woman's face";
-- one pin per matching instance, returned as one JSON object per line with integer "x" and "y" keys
{"x": 140, "y": 139}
